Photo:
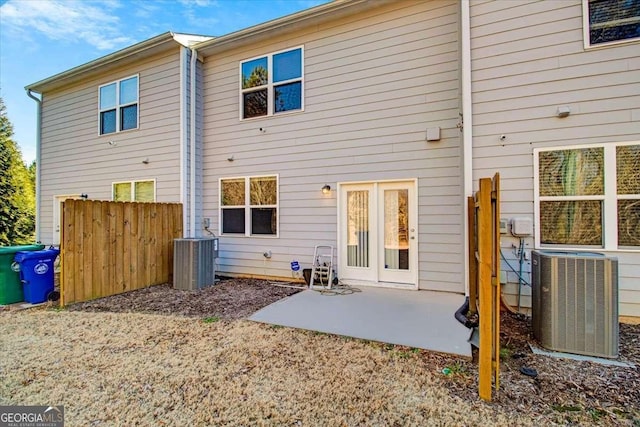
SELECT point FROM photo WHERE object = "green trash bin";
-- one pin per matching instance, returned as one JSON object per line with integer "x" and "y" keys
{"x": 10, "y": 285}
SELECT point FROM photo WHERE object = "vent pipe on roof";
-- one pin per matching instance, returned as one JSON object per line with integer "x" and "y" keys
{"x": 38, "y": 168}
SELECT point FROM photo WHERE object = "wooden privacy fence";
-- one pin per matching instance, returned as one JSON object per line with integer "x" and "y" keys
{"x": 484, "y": 280}
{"x": 109, "y": 248}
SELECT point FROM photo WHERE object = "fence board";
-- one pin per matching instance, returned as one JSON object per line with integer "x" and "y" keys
{"x": 67, "y": 268}
{"x": 111, "y": 272}
{"x": 113, "y": 247}
{"x": 97, "y": 255}
{"x": 127, "y": 265}
{"x": 120, "y": 240}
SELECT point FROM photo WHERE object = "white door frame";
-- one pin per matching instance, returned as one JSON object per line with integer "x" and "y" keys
{"x": 57, "y": 217}
{"x": 371, "y": 276}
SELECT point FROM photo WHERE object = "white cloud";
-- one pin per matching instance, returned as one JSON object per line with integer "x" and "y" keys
{"x": 199, "y": 18}
{"x": 94, "y": 22}
{"x": 199, "y": 3}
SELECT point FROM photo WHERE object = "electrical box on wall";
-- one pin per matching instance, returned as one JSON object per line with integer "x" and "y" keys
{"x": 522, "y": 226}
{"x": 433, "y": 134}
{"x": 504, "y": 222}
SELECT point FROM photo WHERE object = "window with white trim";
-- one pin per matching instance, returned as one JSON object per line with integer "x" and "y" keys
{"x": 588, "y": 196}
{"x": 118, "y": 104}
{"x": 272, "y": 84}
{"x": 249, "y": 206}
{"x": 609, "y": 21}
{"x": 134, "y": 191}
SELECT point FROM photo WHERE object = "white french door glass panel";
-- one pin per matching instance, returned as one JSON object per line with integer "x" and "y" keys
{"x": 377, "y": 232}
{"x": 397, "y": 251}
{"x": 358, "y": 228}
{"x": 357, "y": 239}
{"x": 396, "y": 229}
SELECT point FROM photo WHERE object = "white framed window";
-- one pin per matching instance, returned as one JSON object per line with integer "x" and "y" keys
{"x": 249, "y": 206}
{"x": 118, "y": 105}
{"x": 272, "y": 84}
{"x": 588, "y": 196}
{"x": 608, "y": 22}
{"x": 134, "y": 191}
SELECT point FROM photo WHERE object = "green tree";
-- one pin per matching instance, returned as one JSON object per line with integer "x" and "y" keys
{"x": 17, "y": 189}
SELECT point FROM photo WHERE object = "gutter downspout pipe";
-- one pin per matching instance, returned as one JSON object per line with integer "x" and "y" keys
{"x": 38, "y": 168}
{"x": 192, "y": 144}
{"x": 183, "y": 138}
{"x": 467, "y": 127}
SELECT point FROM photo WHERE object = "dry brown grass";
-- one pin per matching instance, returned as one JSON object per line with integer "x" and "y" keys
{"x": 144, "y": 369}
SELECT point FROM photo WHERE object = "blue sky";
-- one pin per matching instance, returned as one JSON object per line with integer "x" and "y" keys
{"x": 40, "y": 38}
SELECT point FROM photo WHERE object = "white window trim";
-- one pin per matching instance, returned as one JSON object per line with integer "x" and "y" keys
{"x": 270, "y": 85}
{"x": 118, "y": 106}
{"x": 586, "y": 32}
{"x": 247, "y": 207}
{"x": 610, "y": 198}
{"x": 133, "y": 189}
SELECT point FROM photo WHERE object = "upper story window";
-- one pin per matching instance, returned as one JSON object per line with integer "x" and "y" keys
{"x": 589, "y": 196}
{"x": 272, "y": 84}
{"x": 249, "y": 206}
{"x": 119, "y": 105}
{"x": 609, "y": 21}
{"x": 134, "y": 191}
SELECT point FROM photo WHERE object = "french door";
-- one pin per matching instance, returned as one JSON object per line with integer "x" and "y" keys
{"x": 378, "y": 233}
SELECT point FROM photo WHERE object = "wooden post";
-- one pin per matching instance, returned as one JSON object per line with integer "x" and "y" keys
{"x": 485, "y": 251}
{"x": 495, "y": 275}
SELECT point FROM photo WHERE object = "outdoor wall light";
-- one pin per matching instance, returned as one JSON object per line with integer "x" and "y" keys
{"x": 326, "y": 189}
{"x": 84, "y": 196}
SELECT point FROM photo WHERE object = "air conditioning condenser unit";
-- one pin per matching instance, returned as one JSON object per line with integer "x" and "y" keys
{"x": 575, "y": 302}
{"x": 194, "y": 262}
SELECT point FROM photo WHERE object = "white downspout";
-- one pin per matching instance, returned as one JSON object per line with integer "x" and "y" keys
{"x": 38, "y": 168}
{"x": 183, "y": 137}
{"x": 192, "y": 146}
{"x": 467, "y": 129}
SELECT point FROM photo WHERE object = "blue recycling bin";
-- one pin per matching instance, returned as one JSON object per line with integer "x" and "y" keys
{"x": 37, "y": 273}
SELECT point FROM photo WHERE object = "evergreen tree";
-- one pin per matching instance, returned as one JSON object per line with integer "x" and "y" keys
{"x": 17, "y": 189}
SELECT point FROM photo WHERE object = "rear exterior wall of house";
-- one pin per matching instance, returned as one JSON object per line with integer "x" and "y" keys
{"x": 76, "y": 159}
{"x": 521, "y": 74}
{"x": 373, "y": 83}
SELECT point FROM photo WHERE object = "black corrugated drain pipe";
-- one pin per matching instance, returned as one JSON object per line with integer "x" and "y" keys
{"x": 461, "y": 315}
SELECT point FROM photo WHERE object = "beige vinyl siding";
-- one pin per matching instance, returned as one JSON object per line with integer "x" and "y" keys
{"x": 76, "y": 159}
{"x": 373, "y": 83}
{"x": 527, "y": 59}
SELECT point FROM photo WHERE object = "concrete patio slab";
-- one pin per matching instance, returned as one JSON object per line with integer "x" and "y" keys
{"x": 420, "y": 319}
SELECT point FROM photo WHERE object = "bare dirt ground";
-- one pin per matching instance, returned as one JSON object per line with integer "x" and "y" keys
{"x": 197, "y": 364}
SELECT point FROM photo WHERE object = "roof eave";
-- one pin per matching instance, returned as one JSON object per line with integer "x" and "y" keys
{"x": 102, "y": 63}
{"x": 287, "y": 23}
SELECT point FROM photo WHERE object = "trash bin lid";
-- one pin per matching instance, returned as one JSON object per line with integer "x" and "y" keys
{"x": 4, "y": 250}
{"x": 22, "y": 256}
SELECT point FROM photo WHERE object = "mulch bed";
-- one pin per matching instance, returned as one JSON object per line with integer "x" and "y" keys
{"x": 569, "y": 392}
{"x": 564, "y": 391}
{"x": 228, "y": 299}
